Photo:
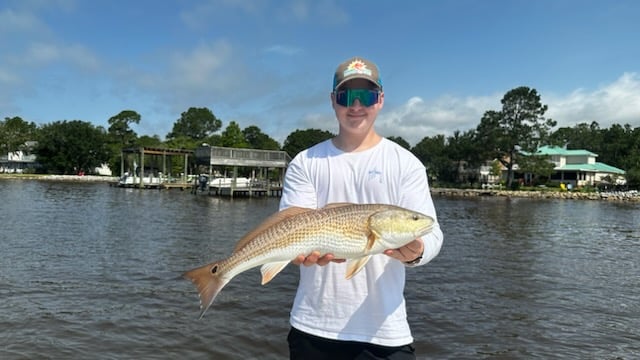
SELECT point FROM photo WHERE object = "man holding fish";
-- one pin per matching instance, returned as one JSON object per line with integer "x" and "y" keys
{"x": 356, "y": 211}
{"x": 363, "y": 316}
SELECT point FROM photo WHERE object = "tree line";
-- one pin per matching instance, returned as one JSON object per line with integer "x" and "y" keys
{"x": 504, "y": 135}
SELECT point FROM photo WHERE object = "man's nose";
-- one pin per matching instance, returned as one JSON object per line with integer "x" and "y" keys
{"x": 356, "y": 103}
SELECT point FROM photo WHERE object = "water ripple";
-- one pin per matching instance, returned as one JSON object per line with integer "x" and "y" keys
{"x": 90, "y": 271}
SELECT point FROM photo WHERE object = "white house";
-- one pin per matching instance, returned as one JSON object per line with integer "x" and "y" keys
{"x": 16, "y": 162}
{"x": 580, "y": 168}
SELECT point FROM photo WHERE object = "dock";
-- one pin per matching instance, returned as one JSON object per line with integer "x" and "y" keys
{"x": 266, "y": 166}
{"x": 266, "y": 170}
{"x": 143, "y": 177}
{"x": 245, "y": 191}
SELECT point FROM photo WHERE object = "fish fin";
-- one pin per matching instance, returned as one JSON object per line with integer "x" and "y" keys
{"x": 355, "y": 265}
{"x": 371, "y": 240}
{"x": 269, "y": 222}
{"x": 270, "y": 270}
{"x": 208, "y": 283}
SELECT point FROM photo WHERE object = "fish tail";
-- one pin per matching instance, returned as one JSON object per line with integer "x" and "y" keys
{"x": 209, "y": 283}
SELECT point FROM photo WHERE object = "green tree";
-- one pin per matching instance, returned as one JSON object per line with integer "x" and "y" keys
{"x": 259, "y": 140}
{"x": 633, "y": 177}
{"x": 538, "y": 166}
{"x": 14, "y": 133}
{"x": 183, "y": 142}
{"x": 121, "y": 135}
{"x": 120, "y": 130}
{"x": 195, "y": 123}
{"x": 462, "y": 150}
{"x": 520, "y": 125}
{"x": 149, "y": 141}
{"x": 618, "y": 145}
{"x": 213, "y": 140}
{"x": 400, "y": 141}
{"x": 580, "y": 137}
{"x": 302, "y": 139}
{"x": 233, "y": 137}
{"x": 496, "y": 169}
{"x": 433, "y": 154}
{"x": 67, "y": 147}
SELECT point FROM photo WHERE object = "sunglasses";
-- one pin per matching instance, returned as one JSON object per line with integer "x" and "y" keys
{"x": 366, "y": 97}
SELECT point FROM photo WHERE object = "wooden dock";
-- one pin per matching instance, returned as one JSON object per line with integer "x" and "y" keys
{"x": 264, "y": 162}
{"x": 163, "y": 186}
{"x": 244, "y": 191}
{"x": 181, "y": 186}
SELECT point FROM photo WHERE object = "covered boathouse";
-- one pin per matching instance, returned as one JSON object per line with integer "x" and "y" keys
{"x": 262, "y": 162}
{"x": 150, "y": 168}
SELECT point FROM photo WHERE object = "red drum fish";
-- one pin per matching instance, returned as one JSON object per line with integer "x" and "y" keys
{"x": 353, "y": 232}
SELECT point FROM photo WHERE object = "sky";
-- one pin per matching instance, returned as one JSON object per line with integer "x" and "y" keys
{"x": 270, "y": 63}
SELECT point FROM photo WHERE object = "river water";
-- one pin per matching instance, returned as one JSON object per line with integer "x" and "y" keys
{"x": 88, "y": 271}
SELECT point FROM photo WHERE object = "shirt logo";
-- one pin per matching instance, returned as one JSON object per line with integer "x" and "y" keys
{"x": 375, "y": 173}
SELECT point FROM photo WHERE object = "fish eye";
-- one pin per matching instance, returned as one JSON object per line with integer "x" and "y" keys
{"x": 415, "y": 217}
{"x": 214, "y": 269}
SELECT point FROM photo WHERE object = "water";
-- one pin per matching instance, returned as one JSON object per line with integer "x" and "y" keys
{"x": 90, "y": 271}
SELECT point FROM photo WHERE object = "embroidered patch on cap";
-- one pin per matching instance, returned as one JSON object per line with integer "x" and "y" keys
{"x": 357, "y": 67}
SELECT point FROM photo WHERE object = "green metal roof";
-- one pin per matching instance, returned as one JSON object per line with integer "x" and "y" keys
{"x": 556, "y": 150}
{"x": 597, "y": 167}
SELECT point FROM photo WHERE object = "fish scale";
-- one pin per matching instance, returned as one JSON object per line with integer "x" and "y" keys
{"x": 348, "y": 231}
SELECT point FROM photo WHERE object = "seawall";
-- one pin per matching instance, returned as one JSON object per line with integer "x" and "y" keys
{"x": 539, "y": 194}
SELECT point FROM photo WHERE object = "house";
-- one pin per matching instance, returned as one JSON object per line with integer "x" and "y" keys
{"x": 17, "y": 162}
{"x": 580, "y": 168}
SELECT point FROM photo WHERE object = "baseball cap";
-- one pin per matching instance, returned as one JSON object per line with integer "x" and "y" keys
{"x": 356, "y": 68}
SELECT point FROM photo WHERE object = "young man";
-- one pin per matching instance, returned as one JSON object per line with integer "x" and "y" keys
{"x": 364, "y": 317}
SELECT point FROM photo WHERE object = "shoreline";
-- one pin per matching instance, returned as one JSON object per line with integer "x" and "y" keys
{"x": 626, "y": 196}
{"x": 70, "y": 178}
{"x": 632, "y": 196}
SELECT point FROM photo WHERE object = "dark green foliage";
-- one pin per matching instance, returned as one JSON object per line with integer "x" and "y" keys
{"x": 120, "y": 130}
{"x": 432, "y": 151}
{"x": 302, "y": 139}
{"x": 520, "y": 125}
{"x": 14, "y": 133}
{"x": 233, "y": 137}
{"x": 259, "y": 140}
{"x": 68, "y": 147}
{"x": 195, "y": 123}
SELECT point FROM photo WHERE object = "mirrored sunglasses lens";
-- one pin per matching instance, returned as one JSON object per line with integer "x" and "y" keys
{"x": 365, "y": 96}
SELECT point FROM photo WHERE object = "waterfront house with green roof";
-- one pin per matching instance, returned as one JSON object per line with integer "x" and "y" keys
{"x": 580, "y": 168}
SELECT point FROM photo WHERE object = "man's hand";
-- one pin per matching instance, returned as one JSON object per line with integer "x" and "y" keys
{"x": 407, "y": 253}
{"x": 315, "y": 258}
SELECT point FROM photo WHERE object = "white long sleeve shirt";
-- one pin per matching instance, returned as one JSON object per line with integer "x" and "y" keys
{"x": 370, "y": 307}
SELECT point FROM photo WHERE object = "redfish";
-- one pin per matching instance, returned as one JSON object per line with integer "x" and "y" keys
{"x": 353, "y": 232}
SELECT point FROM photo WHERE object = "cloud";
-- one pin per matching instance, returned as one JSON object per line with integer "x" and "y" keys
{"x": 201, "y": 68}
{"x": 204, "y": 13}
{"x": 40, "y": 54}
{"x": 417, "y": 118}
{"x": 615, "y": 103}
{"x": 283, "y": 50}
{"x": 208, "y": 75}
{"x": 327, "y": 12}
{"x": 13, "y": 22}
